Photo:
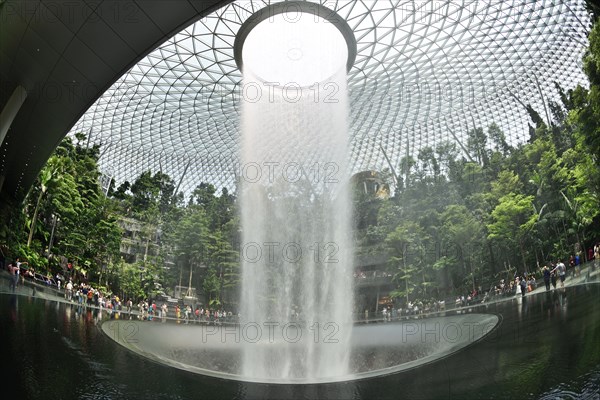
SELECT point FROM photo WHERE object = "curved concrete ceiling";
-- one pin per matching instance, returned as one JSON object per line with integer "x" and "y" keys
{"x": 58, "y": 57}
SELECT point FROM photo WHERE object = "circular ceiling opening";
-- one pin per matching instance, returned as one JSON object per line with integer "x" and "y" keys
{"x": 294, "y": 43}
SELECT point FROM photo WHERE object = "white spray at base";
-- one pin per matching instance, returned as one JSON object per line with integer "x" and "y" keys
{"x": 297, "y": 290}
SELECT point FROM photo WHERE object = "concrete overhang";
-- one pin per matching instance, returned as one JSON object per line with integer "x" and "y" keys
{"x": 57, "y": 57}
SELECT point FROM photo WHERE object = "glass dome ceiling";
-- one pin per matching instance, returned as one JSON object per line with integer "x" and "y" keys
{"x": 425, "y": 72}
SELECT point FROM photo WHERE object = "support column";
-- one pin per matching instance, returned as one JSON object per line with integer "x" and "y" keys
{"x": 8, "y": 114}
{"x": 10, "y": 110}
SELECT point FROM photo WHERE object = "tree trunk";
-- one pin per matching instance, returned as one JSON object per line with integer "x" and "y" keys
{"x": 492, "y": 260}
{"x": 189, "y": 291}
{"x": 146, "y": 250}
{"x": 180, "y": 278}
{"x": 523, "y": 255}
{"x": 406, "y": 275}
{"x": 221, "y": 284}
{"x": 34, "y": 219}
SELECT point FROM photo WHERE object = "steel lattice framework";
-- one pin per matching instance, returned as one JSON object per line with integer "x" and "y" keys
{"x": 426, "y": 72}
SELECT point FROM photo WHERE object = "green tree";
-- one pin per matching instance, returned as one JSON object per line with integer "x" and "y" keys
{"x": 476, "y": 144}
{"x": 405, "y": 246}
{"x": 498, "y": 138}
{"x": 463, "y": 234}
{"x": 44, "y": 178}
{"x": 190, "y": 240}
{"x": 211, "y": 286}
{"x": 513, "y": 219}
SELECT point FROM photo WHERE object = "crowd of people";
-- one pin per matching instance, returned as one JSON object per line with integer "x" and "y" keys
{"x": 150, "y": 311}
{"x": 21, "y": 271}
{"x": 553, "y": 274}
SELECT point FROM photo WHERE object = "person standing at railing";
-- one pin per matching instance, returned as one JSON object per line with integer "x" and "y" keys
{"x": 562, "y": 272}
{"x": 572, "y": 265}
{"x": 165, "y": 310}
{"x": 546, "y": 272}
{"x": 18, "y": 265}
{"x": 14, "y": 277}
{"x": 69, "y": 291}
{"x": 523, "y": 284}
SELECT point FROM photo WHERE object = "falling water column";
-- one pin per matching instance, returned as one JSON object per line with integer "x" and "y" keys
{"x": 297, "y": 295}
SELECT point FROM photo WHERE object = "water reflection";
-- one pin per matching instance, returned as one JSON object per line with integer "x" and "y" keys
{"x": 546, "y": 346}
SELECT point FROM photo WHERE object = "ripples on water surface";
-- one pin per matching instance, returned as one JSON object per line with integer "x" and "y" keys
{"x": 545, "y": 347}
